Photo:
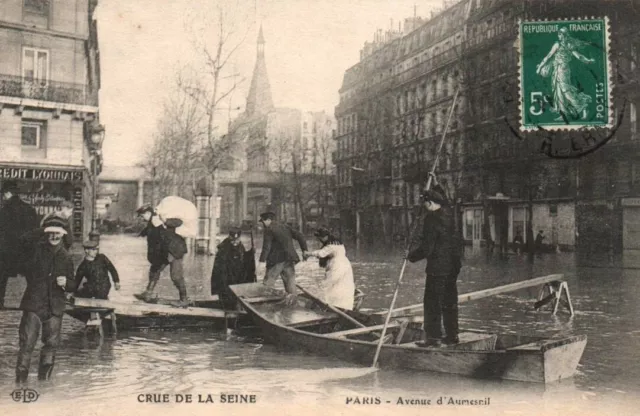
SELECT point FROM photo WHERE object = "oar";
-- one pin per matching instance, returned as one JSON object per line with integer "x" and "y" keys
{"x": 332, "y": 308}
{"x": 413, "y": 228}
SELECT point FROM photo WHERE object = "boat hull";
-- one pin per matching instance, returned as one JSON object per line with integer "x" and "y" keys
{"x": 531, "y": 360}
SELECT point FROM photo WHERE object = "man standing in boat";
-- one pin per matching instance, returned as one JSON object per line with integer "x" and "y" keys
{"x": 439, "y": 244}
{"x": 279, "y": 254}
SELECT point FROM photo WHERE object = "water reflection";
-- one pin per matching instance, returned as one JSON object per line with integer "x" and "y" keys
{"x": 92, "y": 371}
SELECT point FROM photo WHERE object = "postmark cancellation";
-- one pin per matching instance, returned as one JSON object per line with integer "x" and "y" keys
{"x": 565, "y": 74}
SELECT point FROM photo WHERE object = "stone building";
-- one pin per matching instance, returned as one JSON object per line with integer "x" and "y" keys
{"x": 393, "y": 107}
{"x": 50, "y": 135}
{"x": 288, "y": 145}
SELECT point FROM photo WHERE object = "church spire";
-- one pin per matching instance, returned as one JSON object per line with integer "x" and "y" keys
{"x": 259, "y": 100}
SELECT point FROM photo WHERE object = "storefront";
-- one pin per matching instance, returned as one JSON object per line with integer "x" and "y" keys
{"x": 45, "y": 188}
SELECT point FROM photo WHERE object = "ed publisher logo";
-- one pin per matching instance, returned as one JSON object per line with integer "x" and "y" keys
{"x": 24, "y": 395}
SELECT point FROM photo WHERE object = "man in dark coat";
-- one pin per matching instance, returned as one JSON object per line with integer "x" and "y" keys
{"x": 16, "y": 218}
{"x": 156, "y": 250}
{"x": 231, "y": 267}
{"x": 164, "y": 247}
{"x": 440, "y": 246}
{"x": 279, "y": 254}
{"x": 48, "y": 269}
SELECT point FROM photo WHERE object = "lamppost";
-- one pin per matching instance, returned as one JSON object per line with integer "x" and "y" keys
{"x": 97, "y": 137}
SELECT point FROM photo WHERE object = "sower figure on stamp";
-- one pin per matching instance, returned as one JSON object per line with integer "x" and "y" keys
{"x": 95, "y": 270}
{"x": 279, "y": 254}
{"x": 48, "y": 269}
{"x": 440, "y": 246}
{"x": 231, "y": 267}
{"x": 16, "y": 218}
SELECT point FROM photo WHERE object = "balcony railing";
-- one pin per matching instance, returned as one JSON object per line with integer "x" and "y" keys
{"x": 59, "y": 92}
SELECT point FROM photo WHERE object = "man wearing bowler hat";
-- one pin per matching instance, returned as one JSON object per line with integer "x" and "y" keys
{"x": 440, "y": 246}
{"x": 16, "y": 218}
{"x": 279, "y": 254}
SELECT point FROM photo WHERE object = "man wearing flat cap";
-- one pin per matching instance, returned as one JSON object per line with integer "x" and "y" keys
{"x": 279, "y": 253}
{"x": 63, "y": 211}
{"x": 16, "y": 218}
{"x": 48, "y": 269}
{"x": 440, "y": 245}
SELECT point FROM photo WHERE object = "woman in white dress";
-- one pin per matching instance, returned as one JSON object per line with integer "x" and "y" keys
{"x": 338, "y": 287}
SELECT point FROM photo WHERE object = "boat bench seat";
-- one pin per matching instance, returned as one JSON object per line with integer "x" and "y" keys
{"x": 474, "y": 341}
{"x": 532, "y": 346}
{"x": 319, "y": 321}
{"x": 364, "y": 330}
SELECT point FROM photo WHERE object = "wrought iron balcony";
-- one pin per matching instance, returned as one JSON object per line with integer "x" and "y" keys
{"x": 54, "y": 91}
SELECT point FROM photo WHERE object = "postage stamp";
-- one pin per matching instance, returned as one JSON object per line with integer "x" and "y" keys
{"x": 565, "y": 74}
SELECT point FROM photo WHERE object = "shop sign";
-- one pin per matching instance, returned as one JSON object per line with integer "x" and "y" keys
{"x": 37, "y": 174}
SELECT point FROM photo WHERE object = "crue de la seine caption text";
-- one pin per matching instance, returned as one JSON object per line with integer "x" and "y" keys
{"x": 206, "y": 398}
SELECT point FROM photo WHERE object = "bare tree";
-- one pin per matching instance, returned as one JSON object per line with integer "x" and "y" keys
{"x": 210, "y": 90}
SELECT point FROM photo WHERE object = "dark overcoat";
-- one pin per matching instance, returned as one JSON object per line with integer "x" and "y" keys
{"x": 278, "y": 244}
{"x": 44, "y": 263}
{"x": 16, "y": 218}
{"x": 156, "y": 248}
{"x": 439, "y": 244}
{"x": 230, "y": 267}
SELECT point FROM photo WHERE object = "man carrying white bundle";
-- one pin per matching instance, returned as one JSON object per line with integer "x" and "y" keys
{"x": 173, "y": 220}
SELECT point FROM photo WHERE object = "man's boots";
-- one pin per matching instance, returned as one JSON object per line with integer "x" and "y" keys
{"x": 45, "y": 371}
{"x": 21, "y": 376}
{"x": 184, "y": 299}
{"x": 148, "y": 295}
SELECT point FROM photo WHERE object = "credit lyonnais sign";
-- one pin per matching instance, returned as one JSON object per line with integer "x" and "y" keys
{"x": 54, "y": 175}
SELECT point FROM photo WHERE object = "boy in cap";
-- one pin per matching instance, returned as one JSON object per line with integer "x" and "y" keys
{"x": 279, "y": 254}
{"x": 48, "y": 269}
{"x": 440, "y": 246}
{"x": 16, "y": 218}
{"x": 95, "y": 268}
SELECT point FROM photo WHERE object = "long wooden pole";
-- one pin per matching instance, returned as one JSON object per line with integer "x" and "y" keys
{"x": 415, "y": 223}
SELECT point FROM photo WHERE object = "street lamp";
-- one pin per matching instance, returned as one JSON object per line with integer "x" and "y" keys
{"x": 97, "y": 137}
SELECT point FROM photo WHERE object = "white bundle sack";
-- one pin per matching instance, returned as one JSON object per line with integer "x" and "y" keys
{"x": 176, "y": 207}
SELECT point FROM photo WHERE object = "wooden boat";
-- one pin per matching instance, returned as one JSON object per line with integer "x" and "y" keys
{"x": 312, "y": 326}
{"x": 161, "y": 315}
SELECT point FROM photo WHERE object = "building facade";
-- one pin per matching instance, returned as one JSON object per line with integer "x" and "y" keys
{"x": 49, "y": 83}
{"x": 394, "y": 105}
{"x": 290, "y": 146}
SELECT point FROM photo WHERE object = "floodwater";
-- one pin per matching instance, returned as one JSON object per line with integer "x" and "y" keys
{"x": 114, "y": 375}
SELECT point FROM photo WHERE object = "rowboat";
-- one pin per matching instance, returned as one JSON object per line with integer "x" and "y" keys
{"x": 165, "y": 314}
{"x": 312, "y": 326}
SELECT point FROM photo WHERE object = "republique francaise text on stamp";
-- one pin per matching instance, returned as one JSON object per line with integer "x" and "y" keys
{"x": 564, "y": 74}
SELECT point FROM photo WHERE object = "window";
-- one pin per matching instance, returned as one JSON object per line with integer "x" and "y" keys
{"x": 37, "y": 6}
{"x": 35, "y": 65}
{"x": 519, "y": 221}
{"x": 31, "y": 134}
{"x": 473, "y": 221}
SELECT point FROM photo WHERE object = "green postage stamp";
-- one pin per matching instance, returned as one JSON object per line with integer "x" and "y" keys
{"x": 565, "y": 74}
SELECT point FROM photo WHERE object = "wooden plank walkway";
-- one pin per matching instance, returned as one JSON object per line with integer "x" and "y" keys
{"x": 150, "y": 309}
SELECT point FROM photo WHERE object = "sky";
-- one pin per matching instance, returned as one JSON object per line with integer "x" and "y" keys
{"x": 309, "y": 44}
